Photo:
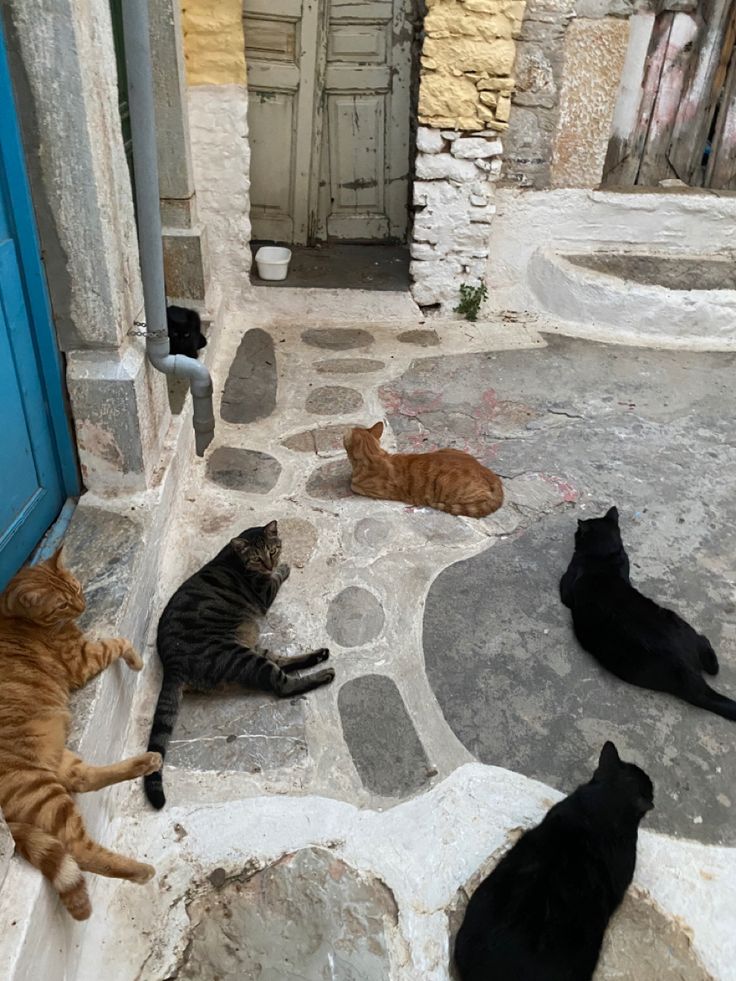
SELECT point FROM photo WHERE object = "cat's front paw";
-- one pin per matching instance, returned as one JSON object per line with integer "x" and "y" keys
{"x": 131, "y": 657}
{"x": 283, "y": 571}
{"x": 147, "y": 763}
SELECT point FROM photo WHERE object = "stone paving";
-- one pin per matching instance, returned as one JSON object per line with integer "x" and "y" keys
{"x": 337, "y": 835}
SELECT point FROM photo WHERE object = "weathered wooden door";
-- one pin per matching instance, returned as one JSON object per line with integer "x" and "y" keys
{"x": 684, "y": 121}
{"x": 329, "y": 106}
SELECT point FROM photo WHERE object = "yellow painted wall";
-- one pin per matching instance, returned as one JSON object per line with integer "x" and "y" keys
{"x": 213, "y": 41}
{"x": 467, "y": 63}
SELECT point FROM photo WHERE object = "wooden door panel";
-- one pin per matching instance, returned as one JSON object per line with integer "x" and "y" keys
{"x": 270, "y": 40}
{"x": 271, "y": 124}
{"x": 366, "y": 129}
{"x": 361, "y": 43}
{"x": 329, "y": 107}
{"x": 279, "y": 49}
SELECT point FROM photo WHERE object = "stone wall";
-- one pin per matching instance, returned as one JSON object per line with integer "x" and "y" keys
{"x": 570, "y": 55}
{"x": 464, "y": 103}
{"x": 467, "y": 61}
{"x": 453, "y": 198}
{"x": 214, "y": 51}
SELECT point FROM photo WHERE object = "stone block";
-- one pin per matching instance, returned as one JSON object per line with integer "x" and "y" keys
{"x": 443, "y": 95}
{"x": 594, "y": 58}
{"x": 465, "y": 123}
{"x": 535, "y": 77}
{"x": 429, "y": 140}
{"x": 251, "y": 385}
{"x": 443, "y": 166}
{"x": 503, "y": 109}
{"x": 213, "y": 42}
{"x": 474, "y": 148}
{"x": 475, "y": 238}
{"x": 185, "y": 263}
{"x": 421, "y": 250}
{"x": 459, "y": 19}
{"x": 468, "y": 54}
{"x": 250, "y": 471}
{"x": 502, "y": 84}
{"x": 120, "y": 413}
{"x": 381, "y": 737}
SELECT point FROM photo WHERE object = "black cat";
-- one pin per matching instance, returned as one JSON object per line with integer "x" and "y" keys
{"x": 630, "y": 635}
{"x": 542, "y": 913}
{"x": 208, "y": 636}
{"x": 185, "y": 331}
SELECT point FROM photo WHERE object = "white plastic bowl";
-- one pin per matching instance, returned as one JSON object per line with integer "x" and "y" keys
{"x": 273, "y": 262}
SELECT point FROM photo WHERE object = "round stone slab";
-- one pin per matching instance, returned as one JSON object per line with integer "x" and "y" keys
{"x": 424, "y": 338}
{"x": 348, "y": 366}
{"x": 327, "y": 439}
{"x": 308, "y": 915}
{"x": 337, "y": 338}
{"x": 355, "y": 617}
{"x": 331, "y": 482}
{"x": 243, "y": 470}
{"x": 332, "y": 400}
{"x": 250, "y": 389}
{"x": 381, "y": 737}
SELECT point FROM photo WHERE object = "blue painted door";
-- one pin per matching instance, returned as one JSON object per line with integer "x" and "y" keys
{"x": 37, "y": 465}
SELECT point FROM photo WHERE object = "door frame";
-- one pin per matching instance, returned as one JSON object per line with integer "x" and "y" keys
{"x": 17, "y": 194}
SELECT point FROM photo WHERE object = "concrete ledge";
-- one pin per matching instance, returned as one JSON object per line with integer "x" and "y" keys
{"x": 529, "y": 224}
{"x": 607, "y": 303}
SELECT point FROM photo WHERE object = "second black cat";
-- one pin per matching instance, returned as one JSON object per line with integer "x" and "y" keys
{"x": 185, "y": 331}
{"x": 630, "y": 635}
{"x": 542, "y": 913}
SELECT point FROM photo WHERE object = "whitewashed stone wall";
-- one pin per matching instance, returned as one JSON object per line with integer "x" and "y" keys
{"x": 453, "y": 200}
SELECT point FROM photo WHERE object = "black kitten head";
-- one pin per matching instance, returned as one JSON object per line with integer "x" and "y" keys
{"x": 599, "y": 536}
{"x": 628, "y": 782}
{"x": 259, "y": 548}
{"x": 185, "y": 331}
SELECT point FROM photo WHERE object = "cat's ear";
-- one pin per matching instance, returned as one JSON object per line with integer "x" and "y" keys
{"x": 643, "y": 804}
{"x": 376, "y": 430}
{"x": 55, "y": 561}
{"x": 609, "y": 759}
{"x": 612, "y": 515}
{"x": 239, "y": 545}
{"x": 271, "y": 529}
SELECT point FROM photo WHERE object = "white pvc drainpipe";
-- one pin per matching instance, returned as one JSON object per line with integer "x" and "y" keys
{"x": 145, "y": 162}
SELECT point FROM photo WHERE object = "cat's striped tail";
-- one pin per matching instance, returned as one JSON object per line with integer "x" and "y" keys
{"x": 164, "y": 718}
{"x": 49, "y": 856}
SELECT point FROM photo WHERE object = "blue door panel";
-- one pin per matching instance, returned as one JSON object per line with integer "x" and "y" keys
{"x": 34, "y": 492}
{"x": 37, "y": 467}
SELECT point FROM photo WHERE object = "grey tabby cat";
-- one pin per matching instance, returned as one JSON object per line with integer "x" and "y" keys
{"x": 208, "y": 636}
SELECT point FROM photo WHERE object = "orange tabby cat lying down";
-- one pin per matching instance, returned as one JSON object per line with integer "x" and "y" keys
{"x": 448, "y": 480}
{"x": 43, "y": 655}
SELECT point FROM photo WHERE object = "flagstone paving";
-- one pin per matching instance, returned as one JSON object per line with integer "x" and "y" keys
{"x": 462, "y": 707}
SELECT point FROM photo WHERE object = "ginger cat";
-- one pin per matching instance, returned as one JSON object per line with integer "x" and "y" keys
{"x": 43, "y": 656}
{"x": 448, "y": 480}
